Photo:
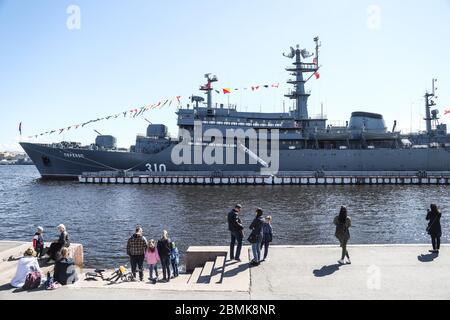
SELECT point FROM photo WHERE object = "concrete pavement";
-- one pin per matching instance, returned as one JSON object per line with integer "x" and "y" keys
{"x": 292, "y": 272}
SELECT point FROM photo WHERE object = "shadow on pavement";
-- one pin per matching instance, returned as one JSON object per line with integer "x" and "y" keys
{"x": 427, "y": 257}
{"x": 6, "y": 287}
{"x": 235, "y": 271}
{"x": 326, "y": 270}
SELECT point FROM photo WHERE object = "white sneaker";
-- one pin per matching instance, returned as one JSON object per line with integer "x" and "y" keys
{"x": 341, "y": 261}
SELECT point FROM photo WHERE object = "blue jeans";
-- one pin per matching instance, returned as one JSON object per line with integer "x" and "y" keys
{"x": 256, "y": 248}
{"x": 174, "y": 267}
{"x": 153, "y": 267}
{"x": 235, "y": 236}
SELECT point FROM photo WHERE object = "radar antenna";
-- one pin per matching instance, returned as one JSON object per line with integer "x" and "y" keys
{"x": 291, "y": 54}
{"x": 305, "y": 54}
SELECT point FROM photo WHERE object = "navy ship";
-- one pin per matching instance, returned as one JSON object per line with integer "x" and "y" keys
{"x": 293, "y": 140}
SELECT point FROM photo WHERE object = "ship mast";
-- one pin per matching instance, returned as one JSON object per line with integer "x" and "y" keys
{"x": 297, "y": 70}
{"x": 429, "y": 102}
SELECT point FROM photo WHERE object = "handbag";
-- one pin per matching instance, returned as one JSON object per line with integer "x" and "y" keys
{"x": 252, "y": 238}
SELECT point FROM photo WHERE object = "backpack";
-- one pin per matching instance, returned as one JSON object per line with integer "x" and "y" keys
{"x": 32, "y": 281}
{"x": 51, "y": 283}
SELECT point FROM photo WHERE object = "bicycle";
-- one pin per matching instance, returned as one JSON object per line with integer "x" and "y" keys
{"x": 120, "y": 274}
{"x": 98, "y": 273}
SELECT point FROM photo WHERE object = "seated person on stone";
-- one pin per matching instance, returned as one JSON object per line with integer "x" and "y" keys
{"x": 63, "y": 242}
{"x": 65, "y": 272}
{"x": 27, "y": 264}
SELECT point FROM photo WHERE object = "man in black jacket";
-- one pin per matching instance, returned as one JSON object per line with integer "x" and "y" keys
{"x": 236, "y": 229}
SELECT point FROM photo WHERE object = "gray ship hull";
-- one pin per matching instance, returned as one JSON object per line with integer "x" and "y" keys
{"x": 70, "y": 163}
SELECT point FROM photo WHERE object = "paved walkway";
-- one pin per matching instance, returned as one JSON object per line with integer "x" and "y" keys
{"x": 376, "y": 272}
{"x": 294, "y": 272}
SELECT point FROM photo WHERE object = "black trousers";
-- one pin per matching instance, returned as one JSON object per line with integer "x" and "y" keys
{"x": 165, "y": 263}
{"x": 137, "y": 261}
{"x": 436, "y": 242}
{"x": 265, "y": 244}
{"x": 236, "y": 236}
{"x": 55, "y": 247}
{"x": 39, "y": 251}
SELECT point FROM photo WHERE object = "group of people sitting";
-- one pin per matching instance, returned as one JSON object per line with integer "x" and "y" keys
{"x": 58, "y": 252}
{"x": 165, "y": 251}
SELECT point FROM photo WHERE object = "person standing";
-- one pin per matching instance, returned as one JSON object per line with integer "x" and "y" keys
{"x": 434, "y": 227}
{"x": 174, "y": 259}
{"x": 38, "y": 242}
{"x": 152, "y": 257}
{"x": 256, "y": 236}
{"x": 236, "y": 229}
{"x": 136, "y": 247}
{"x": 267, "y": 232}
{"x": 164, "y": 249}
{"x": 343, "y": 223}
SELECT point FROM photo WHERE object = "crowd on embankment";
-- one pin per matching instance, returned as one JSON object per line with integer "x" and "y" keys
{"x": 165, "y": 251}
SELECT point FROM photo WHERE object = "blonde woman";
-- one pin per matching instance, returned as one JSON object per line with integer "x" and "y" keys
{"x": 267, "y": 233}
{"x": 65, "y": 272}
{"x": 27, "y": 264}
{"x": 164, "y": 248}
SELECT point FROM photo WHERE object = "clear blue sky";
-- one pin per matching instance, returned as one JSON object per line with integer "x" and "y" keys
{"x": 131, "y": 53}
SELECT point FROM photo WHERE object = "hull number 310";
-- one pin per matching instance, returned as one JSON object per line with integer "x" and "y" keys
{"x": 155, "y": 167}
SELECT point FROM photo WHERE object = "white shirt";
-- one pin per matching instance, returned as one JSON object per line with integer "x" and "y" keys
{"x": 26, "y": 265}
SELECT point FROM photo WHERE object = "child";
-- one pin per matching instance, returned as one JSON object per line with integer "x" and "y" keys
{"x": 38, "y": 242}
{"x": 152, "y": 257}
{"x": 267, "y": 235}
{"x": 174, "y": 258}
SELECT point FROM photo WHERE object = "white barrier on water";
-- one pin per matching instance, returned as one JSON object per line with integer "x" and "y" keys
{"x": 282, "y": 179}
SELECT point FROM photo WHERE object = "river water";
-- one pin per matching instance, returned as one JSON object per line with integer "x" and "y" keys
{"x": 102, "y": 217}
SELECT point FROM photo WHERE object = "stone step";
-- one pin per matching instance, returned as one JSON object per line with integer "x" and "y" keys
{"x": 14, "y": 249}
{"x": 7, "y": 275}
{"x": 205, "y": 276}
{"x": 195, "y": 275}
{"x": 217, "y": 273}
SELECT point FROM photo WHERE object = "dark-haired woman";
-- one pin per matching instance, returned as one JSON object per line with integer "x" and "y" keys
{"x": 343, "y": 223}
{"x": 434, "y": 227}
{"x": 255, "y": 237}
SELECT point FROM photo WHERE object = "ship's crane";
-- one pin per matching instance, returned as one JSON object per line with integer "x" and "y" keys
{"x": 253, "y": 155}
